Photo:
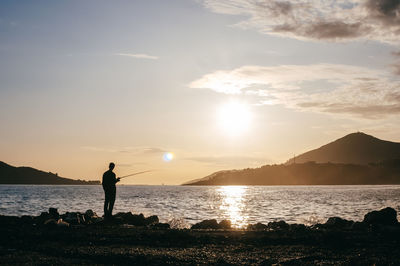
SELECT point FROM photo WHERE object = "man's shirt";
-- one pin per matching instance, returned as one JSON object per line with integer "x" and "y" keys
{"x": 109, "y": 179}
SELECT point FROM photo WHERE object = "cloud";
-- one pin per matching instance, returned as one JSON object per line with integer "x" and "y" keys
{"x": 124, "y": 164}
{"x": 153, "y": 150}
{"x": 325, "y": 88}
{"x": 230, "y": 160}
{"x": 396, "y": 66}
{"x": 129, "y": 150}
{"x": 328, "y": 20}
{"x": 140, "y": 56}
{"x": 396, "y": 53}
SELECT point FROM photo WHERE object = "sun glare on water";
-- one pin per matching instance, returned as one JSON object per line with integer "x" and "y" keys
{"x": 234, "y": 118}
{"x": 233, "y": 204}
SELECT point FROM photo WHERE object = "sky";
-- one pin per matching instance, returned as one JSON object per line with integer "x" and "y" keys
{"x": 218, "y": 84}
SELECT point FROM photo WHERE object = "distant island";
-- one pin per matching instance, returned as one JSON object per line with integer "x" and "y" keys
{"x": 27, "y": 175}
{"x": 356, "y": 159}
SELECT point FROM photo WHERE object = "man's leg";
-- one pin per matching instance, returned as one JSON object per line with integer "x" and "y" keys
{"x": 111, "y": 200}
{"x": 106, "y": 203}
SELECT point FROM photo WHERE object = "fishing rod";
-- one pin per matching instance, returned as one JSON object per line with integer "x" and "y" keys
{"x": 137, "y": 173}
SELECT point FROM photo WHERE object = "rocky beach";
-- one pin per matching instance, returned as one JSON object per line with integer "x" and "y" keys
{"x": 85, "y": 238}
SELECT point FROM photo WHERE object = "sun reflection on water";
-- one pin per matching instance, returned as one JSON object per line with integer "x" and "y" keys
{"x": 233, "y": 204}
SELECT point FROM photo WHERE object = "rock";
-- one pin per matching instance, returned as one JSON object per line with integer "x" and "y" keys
{"x": 74, "y": 218}
{"x": 359, "y": 226}
{"x": 61, "y": 223}
{"x": 338, "y": 223}
{"x": 206, "y": 224}
{"x": 178, "y": 223}
{"x": 26, "y": 219}
{"x": 90, "y": 217}
{"x": 9, "y": 220}
{"x": 116, "y": 220}
{"x": 387, "y": 216}
{"x": 298, "y": 227}
{"x": 257, "y": 227}
{"x": 137, "y": 220}
{"x": 89, "y": 214}
{"x": 281, "y": 225}
{"x": 54, "y": 213}
{"x": 82, "y": 219}
{"x": 50, "y": 222}
{"x": 161, "y": 226}
{"x": 152, "y": 220}
{"x": 43, "y": 217}
{"x": 225, "y": 224}
{"x": 95, "y": 220}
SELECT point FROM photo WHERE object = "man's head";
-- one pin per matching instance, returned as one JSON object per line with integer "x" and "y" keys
{"x": 111, "y": 166}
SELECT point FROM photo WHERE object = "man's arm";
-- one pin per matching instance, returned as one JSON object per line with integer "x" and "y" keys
{"x": 116, "y": 180}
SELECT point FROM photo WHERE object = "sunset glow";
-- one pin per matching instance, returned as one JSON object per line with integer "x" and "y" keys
{"x": 234, "y": 118}
{"x": 192, "y": 87}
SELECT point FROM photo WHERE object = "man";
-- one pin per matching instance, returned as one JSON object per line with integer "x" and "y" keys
{"x": 109, "y": 181}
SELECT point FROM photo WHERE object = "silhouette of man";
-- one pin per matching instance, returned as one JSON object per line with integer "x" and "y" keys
{"x": 109, "y": 181}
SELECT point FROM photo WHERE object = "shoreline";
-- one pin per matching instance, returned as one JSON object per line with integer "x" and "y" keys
{"x": 85, "y": 238}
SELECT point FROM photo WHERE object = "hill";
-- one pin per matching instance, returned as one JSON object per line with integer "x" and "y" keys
{"x": 355, "y": 159}
{"x": 355, "y": 148}
{"x": 27, "y": 175}
{"x": 308, "y": 174}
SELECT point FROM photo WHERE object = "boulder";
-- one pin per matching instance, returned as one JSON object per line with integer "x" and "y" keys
{"x": 89, "y": 214}
{"x": 137, "y": 220}
{"x": 90, "y": 217}
{"x": 298, "y": 227}
{"x": 116, "y": 220}
{"x": 50, "y": 222}
{"x": 74, "y": 218}
{"x": 281, "y": 225}
{"x": 257, "y": 227}
{"x": 338, "y": 223}
{"x": 152, "y": 220}
{"x": 61, "y": 223}
{"x": 43, "y": 217}
{"x": 54, "y": 213}
{"x": 359, "y": 226}
{"x": 386, "y": 216}
{"x": 206, "y": 224}
{"x": 26, "y": 219}
{"x": 82, "y": 219}
{"x": 123, "y": 215}
{"x": 161, "y": 226}
{"x": 9, "y": 220}
{"x": 225, "y": 224}
{"x": 178, "y": 223}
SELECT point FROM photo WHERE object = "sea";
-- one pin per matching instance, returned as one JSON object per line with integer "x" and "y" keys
{"x": 183, "y": 206}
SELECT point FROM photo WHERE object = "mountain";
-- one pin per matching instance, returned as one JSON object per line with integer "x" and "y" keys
{"x": 355, "y": 159}
{"x": 27, "y": 175}
{"x": 308, "y": 174}
{"x": 355, "y": 148}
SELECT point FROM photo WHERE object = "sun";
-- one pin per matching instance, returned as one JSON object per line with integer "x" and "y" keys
{"x": 234, "y": 118}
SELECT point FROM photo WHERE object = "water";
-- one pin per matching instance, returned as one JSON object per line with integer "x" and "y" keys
{"x": 240, "y": 204}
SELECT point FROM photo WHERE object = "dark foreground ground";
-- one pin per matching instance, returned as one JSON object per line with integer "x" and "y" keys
{"x": 116, "y": 245}
{"x": 26, "y": 240}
